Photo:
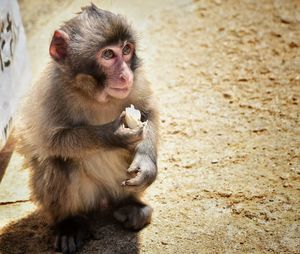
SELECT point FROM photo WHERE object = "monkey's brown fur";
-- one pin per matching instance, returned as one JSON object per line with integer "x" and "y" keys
{"x": 70, "y": 141}
{"x": 73, "y": 167}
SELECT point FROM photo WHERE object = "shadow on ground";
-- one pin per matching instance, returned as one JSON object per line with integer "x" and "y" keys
{"x": 32, "y": 235}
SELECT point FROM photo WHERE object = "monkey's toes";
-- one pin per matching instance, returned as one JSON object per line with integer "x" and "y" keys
{"x": 69, "y": 244}
{"x": 65, "y": 244}
{"x": 70, "y": 236}
{"x": 134, "y": 216}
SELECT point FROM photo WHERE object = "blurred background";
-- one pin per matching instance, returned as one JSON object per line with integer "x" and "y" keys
{"x": 227, "y": 77}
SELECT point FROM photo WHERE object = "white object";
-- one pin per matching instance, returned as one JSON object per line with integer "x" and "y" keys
{"x": 132, "y": 117}
{"x": 15, "y": 72}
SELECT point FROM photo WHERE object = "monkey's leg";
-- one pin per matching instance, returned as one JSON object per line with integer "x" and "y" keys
{"x": 70, "y": 234}
{"x": 55, "y": 186}
{"x": 134, "y": 214}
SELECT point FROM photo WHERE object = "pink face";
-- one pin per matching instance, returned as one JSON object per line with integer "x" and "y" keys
{"x": 115, "y": 61}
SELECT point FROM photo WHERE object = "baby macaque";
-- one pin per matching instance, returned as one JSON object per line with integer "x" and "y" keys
{"x": 86, "y": 149}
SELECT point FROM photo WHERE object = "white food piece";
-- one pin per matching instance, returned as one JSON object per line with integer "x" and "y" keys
{"x": 132, "y": 117}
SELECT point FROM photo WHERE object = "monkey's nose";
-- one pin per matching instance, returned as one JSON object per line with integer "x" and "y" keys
{"x": 124, "y": 77}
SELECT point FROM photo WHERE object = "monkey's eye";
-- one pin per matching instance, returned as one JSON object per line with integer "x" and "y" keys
{"x": 126, "y": 49}
{"x": 108, "y": 54}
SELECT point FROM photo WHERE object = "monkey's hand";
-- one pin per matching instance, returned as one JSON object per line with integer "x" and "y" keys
{"x": 129, "y": 138}
{"x": 142, "y": 172}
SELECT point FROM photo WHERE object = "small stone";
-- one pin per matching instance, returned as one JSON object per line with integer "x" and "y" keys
{"x": 227, "y": 95}
{"x": 293, "y": 45}
{"x": 285, "y": 185}
{"x": 225, "y": 194}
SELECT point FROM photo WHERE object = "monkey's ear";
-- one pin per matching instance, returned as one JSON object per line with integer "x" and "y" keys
{"x": 58, "y": 46}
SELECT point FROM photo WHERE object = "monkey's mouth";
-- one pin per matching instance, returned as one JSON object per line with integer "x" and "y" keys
{"x": 117, "y": 92}
{"x": 120, "y": 89}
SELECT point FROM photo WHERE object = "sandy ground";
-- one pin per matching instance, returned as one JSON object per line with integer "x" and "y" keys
{"x": 227, "y": 76}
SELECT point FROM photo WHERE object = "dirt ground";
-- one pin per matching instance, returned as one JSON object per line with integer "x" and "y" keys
{"x": 227, "y": 77}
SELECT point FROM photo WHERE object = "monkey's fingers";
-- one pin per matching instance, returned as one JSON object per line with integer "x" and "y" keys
{"x": 138, "y": 131}
{"x": 145, "y": 123}
{"x": 134, "y": 168}
{"x": 138, "y": 180}
{"x": 119, "y": 121}
{"x": 122, "y": 116}
{"x": 127, "y": 132}
{"x": 134, "y": 136}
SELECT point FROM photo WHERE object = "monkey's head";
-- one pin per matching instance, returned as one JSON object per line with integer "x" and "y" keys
{"x": 100, "y": 45}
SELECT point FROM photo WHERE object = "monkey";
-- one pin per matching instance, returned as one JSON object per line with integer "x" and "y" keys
{"x": 81, "y": 155}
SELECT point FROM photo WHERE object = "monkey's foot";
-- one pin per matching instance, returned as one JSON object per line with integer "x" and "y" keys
{"x": 134, "y": 216}
{"x": 70, "y": 235}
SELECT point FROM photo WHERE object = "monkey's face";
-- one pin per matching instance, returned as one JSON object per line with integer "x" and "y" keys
{"x": 99, "y": 44}
{"x": 115, "y": 61}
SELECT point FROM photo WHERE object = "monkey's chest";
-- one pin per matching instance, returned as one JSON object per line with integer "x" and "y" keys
{"x": 102, "y": 115}
{"x": 106, "y": 170}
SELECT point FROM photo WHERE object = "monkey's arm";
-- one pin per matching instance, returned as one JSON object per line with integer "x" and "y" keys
{"x": 143, "y": 168}
{"x": 79, "y": 140}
